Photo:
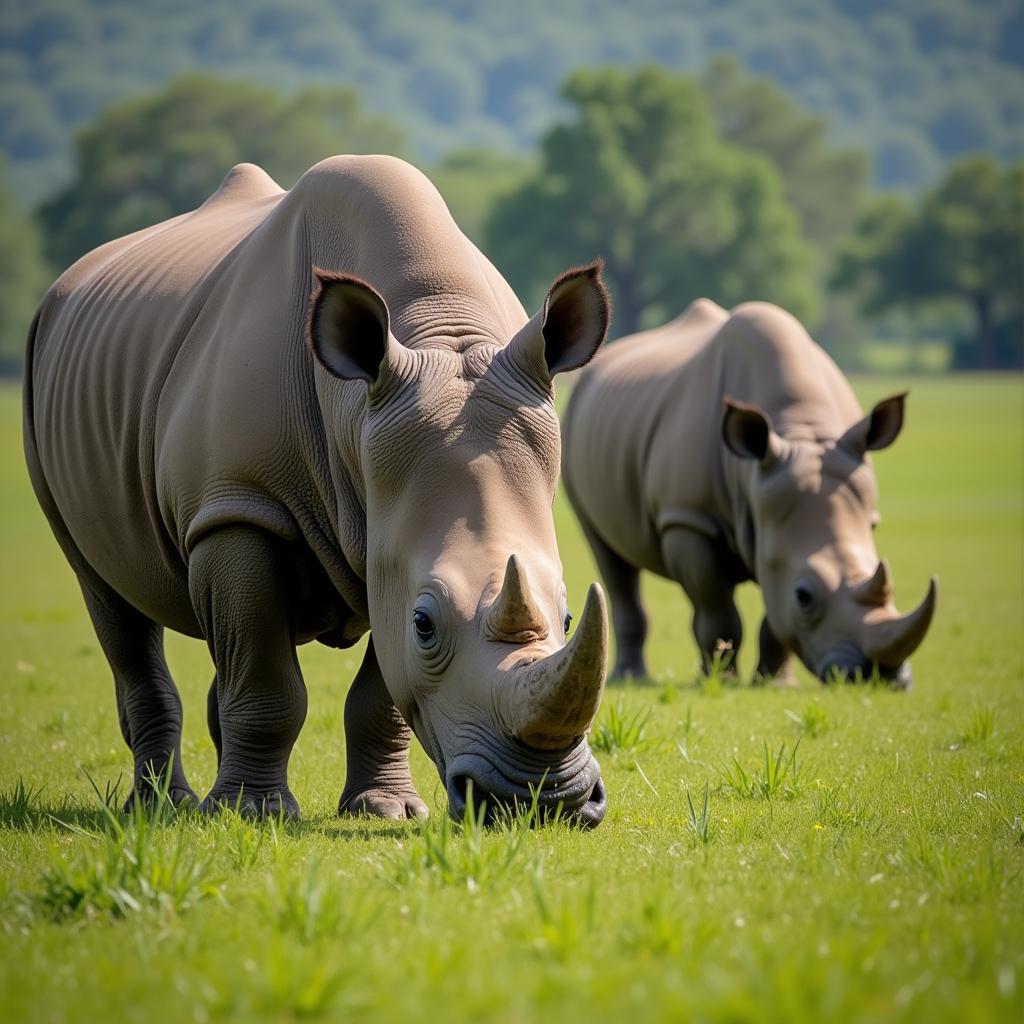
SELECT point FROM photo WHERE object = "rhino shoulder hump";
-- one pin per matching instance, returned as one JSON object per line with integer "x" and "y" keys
{"x": 244, "y": 182}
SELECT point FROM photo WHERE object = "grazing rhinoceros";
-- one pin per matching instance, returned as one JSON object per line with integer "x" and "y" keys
{"x": 724, "y": 447}
{"x": 221, "y": 454}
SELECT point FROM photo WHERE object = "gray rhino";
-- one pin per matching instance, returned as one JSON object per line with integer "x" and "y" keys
{"x": 223, "y": 455}
{"x": 727, "y": 446}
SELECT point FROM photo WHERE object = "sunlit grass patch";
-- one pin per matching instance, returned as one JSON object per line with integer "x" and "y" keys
{"x": 778, "y": 774}
{"x": 618, "y": 729}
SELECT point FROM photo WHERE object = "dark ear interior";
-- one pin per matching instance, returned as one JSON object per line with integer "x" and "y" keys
{"x": 577, "y": 312}
{"x": 746, "y": 430}
{"x": 885, "y": 422}
{"x": 348, "y": 327}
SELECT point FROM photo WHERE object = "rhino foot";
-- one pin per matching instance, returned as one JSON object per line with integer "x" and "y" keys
{"x": 383, "y": 803}
{"x": 145, "y": 794}
{"x": 261, "y": 806}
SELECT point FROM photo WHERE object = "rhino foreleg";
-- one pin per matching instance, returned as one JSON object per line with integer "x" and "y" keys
{"x": 377, "y": 740}
{"x": 237, "y": 581}
{"x": 705, "y": 570}
{"x": 773, "y": 664}
{"x": 213, "y": 719}
{"x": 148, "y": 705}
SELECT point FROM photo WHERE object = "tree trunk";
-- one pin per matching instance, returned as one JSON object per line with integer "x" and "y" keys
{"x": 986, "y": 331}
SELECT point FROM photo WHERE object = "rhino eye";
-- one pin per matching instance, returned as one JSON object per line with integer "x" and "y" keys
{"x": 424, "y": 626}
{"x": 804, "y": 597}
{"x": 567, "y": 623}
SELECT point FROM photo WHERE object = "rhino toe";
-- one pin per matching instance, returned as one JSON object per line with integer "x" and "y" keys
{"x": 383, "y": 803}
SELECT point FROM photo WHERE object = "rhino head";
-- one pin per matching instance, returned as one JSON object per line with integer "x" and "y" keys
{"x": 460, "y": 453}
{"x": 812, "y": 509}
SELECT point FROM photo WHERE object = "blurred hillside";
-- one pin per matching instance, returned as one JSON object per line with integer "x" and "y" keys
{"x": 916, "y": 83}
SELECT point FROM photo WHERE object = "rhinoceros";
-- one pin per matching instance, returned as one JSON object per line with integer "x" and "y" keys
{"x": 724, "y": 447}
{"x": 307, "y": 415}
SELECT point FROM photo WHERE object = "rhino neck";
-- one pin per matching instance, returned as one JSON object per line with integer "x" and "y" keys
{"x": 739, "y": 479}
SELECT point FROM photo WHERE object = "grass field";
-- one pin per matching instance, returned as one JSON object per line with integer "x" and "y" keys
{"x": 877, "y": 876}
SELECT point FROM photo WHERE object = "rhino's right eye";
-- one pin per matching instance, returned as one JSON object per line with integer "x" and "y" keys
{"x": 804, "y": 597}
{"x": 423, "y": 624}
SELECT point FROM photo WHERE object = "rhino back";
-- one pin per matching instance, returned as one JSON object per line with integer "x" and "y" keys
{"x": 172, "y": 390}
{"x": 633, "y": 431}
{"x": 644, "y": 451}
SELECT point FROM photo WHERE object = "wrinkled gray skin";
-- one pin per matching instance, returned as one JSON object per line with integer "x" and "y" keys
{"x": 221, "y": 454}
{"x": 724, "y": 447}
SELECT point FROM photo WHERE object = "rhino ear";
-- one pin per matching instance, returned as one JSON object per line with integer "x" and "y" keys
{"x": 747, "y": 432}
{"x": 569, "y": 328}
{"x": 349, "y": 330}
{"x": 879, "y": 428}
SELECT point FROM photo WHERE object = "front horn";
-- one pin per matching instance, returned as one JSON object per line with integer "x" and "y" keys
{"x": 892, "y": 641}
{"x": 551, "y": 703}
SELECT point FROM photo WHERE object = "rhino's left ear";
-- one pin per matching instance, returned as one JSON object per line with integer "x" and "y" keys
{"x": 349, "y": 328}
{"x": 569, "y": 328}
{"x": 747, "y": 432}
{"x": 879, "y": 428}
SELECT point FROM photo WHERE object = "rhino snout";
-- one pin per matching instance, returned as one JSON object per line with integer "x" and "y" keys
{"x": 512, "y": 781}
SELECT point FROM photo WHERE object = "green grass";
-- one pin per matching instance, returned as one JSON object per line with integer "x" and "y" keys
{"x": 879, "y": 879}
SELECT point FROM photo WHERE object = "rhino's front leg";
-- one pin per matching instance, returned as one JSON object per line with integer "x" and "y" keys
{"x": 237, "y": 579}
{"x": 704, "y": 569}
{"x": 378, "y": 780}
{"x": 773, "y": 664}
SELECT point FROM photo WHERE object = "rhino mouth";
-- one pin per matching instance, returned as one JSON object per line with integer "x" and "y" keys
{"x": 861, "y": 670}
{"x": 570, "y": 787}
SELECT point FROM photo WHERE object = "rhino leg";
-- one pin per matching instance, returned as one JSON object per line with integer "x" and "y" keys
{"x": 706, "y": 571}
{"x": 629, "y": 620}
{"x": 377, "y": 779}
{"x": 773, "y": 664}
{"x": 213, "y": 719}
{"x": 238, "y": 582}
{"x": 148, "y": 705}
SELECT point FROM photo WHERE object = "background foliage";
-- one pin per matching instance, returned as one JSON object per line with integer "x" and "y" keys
{"x": 917, "y": 82}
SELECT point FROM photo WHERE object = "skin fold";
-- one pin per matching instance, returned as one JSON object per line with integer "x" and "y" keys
{"x": 724, "y": 447}
{"x": 303, "y": 415}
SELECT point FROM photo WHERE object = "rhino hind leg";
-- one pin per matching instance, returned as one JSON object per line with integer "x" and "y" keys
{"x": 774, "y": 664}
{"x": 377, "y": 780}
{"x": 629, "y": 620}
{"x": 238, "y": 581}
{"x": 148, "y": 705}
{"x": 707, "y": 572}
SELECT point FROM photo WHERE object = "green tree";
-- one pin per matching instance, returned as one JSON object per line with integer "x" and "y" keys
{"x": 823, "y": 183}
{"x": 641, "y": 177}
{"x": 472, "y": 180}
{"x": 964, "y": 240}
{"x": 163, "y": 154}
{"x": 23, "y": 278}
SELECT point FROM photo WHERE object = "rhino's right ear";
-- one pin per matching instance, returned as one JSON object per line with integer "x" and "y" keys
{"x": 747, "y": 432}
{"x": 349, "y": 327}
{"x": 569, "y": 328}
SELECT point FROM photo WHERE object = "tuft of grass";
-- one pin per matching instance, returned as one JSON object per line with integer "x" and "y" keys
{"x": 19, "y": 805}
{"x": 836, "y": 808}
{"x": 813, "y": 721}
{"x": 132, "y": 864}
{"x": 565, "y": 926}
{"x": 310, "y": 907}
{"x": 981, "y": 726}
{"x": 469, "y": 853}
{"x": 699, "y": 822}
{"x": 779, "y": 774}
{"x": 619, "y": 729}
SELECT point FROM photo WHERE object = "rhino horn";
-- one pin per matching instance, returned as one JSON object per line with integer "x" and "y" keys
{"x": 514, "y": 616}
{"x": 877, "y": 590}
{"x": 892, "y": 641}
{"x": 552, "y": 702}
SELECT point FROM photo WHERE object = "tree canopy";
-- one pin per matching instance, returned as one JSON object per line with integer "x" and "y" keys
{"x": 964, "y": 239}
{"x": 917, "y": 83}
{"x": 163, "y": 154}
{"x": 641, "y": 177}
